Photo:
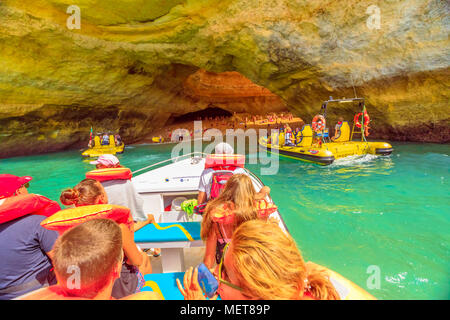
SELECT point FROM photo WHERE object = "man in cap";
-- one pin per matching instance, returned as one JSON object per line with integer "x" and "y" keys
{"x": 25, "y": 245}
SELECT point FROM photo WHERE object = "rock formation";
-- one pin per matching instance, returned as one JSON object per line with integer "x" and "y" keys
{"x": 132, "y": 64}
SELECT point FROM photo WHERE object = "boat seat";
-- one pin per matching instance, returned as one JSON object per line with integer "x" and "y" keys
{"x": 304, "y": 137}
{"x": 168, "y": 232}
{"x": 112, "y": 141}
{"x": 96, "y": 141}
{"x": 281, "y": 138}
{"x": 274, "y": 139}
{"x": 344, "y": 133}
{"x": 324, "y": 134}
{"x": 165, "y": 284}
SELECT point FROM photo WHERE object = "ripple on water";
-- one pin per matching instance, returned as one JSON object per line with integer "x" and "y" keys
{"x": 386, "y": 211}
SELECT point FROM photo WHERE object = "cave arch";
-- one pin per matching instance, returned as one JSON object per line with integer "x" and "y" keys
{"x": 211, "y": 111}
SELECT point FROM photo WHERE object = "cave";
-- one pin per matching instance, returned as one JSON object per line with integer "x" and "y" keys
{"x": 192, "y": 116}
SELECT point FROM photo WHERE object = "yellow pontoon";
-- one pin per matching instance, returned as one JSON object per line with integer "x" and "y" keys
{"x": 98, "y": 149}
{"x": 158, "y": 139}
{"x": 313, "y": 144}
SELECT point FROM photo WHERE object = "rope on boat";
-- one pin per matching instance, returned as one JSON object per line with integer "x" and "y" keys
{"x": 171, "y": 159}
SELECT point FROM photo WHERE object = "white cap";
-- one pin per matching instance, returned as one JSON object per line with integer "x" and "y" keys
{"x": 108, "y": 160}
{"x": 223, "y": 148}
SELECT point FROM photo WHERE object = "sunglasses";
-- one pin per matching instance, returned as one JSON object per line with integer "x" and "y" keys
{"x": 221, "y": 269}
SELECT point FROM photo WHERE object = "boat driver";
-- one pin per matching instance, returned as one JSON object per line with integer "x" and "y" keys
{"x": 337, "y": 129}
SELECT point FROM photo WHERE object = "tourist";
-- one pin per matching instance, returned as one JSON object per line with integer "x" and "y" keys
{"x": 122, "y": 192}
{"x": 136, "y": 263}
{"x": 25, "y": 248}
{"x": 88, "y": 261}
{"x": 204, "y": 188}
{"x": 118, "y": 140}
{"x": 238, "y": 198}
{"x": 105, "y": 140}
{"x": 337, "y": 129}
{"x": 262, "y": 262}
{"x": 288, "y": 137}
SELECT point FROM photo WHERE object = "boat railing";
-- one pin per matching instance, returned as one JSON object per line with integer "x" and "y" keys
{"x": 254, "y": 176}
{"x": 174, "y": 159}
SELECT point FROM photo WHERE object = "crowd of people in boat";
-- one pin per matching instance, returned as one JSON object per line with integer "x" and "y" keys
{"x": 105, "y": 140}
{"x": 235, "y": 121}
{"x": 247, "y": 251}
{"x": 292, "y": 136}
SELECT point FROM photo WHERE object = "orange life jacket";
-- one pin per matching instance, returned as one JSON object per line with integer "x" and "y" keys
{"x": 68, "y": 218}
{"x": 21, "y": 205}
{"x": 225, "y": 212}
{"x": 107, "y": 174}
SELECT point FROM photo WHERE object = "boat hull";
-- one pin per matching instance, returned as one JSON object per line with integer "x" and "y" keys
{"x": 98, "y": 151}
{"x": 328, "y": 152}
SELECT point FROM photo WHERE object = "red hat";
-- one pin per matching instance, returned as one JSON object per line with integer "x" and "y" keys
{"x": 10, "y": 183}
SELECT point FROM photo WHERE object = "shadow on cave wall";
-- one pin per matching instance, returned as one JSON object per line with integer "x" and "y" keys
{"x": 199, "y": 115}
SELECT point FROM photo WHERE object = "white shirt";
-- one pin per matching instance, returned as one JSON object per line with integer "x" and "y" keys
{"x": 122, "y": 193}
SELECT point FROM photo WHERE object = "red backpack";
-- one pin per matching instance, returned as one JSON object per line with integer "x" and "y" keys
{"x": 223, "y": 166}
{"x": 219, "y": 180}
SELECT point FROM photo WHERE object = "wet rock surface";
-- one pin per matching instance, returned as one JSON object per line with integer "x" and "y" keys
{"x": 133, "y": 65}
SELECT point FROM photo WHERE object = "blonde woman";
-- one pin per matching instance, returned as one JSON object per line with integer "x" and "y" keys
{"x": 262, "y": 262}
{"x": 235, "y": 205}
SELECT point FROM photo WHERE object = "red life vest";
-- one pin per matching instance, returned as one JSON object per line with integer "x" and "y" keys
{"x": 225, "y": 212}
{"x": 21, "y": 205}
{"x": 224, "y": 165}
{"x": 106, "y": 174}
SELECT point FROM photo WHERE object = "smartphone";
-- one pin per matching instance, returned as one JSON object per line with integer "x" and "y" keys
{"x": 207, "y": 281}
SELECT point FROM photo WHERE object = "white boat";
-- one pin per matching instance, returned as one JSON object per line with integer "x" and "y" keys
{"x": 177, "y": 235}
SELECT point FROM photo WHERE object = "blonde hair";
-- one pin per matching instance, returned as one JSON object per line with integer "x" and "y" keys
{"x": 269, "y": 265}
{"x": 240, "y": 192}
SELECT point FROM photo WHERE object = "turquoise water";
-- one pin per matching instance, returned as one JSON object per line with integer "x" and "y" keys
{"x": 391, "y": 212}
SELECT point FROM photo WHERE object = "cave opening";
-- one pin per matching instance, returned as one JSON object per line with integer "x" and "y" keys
{"x": 210, "y": 112}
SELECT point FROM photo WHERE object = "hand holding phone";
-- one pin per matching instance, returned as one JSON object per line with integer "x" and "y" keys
{"x": 207, "y": 281}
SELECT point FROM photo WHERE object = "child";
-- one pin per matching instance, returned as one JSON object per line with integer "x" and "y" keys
{"x": 87, "y": 261}
{"x": 136, "y": 263}
{"x": 238, "y": 196}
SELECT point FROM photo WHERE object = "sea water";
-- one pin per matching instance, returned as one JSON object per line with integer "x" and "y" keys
{"x": 382, "y": 222}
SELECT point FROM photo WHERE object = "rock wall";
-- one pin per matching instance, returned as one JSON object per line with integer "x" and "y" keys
{"x": 128, "y": 65}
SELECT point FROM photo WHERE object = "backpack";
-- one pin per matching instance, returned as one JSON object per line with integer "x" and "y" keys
{"x": 219, "y": 180}
{"x": 223, "y": 166}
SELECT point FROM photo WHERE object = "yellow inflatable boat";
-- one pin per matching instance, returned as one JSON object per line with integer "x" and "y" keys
{"x": 158, "y": 139}
{"x": 98, "y": 149}
{"x": 313, "y": 143}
